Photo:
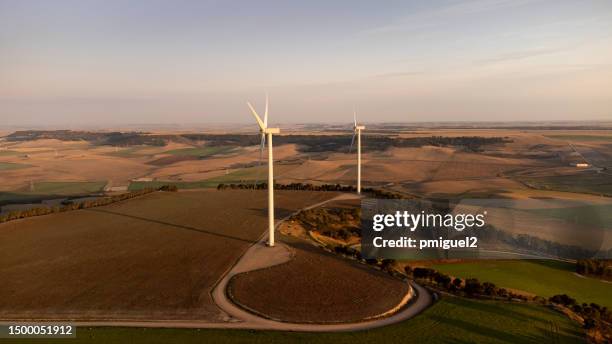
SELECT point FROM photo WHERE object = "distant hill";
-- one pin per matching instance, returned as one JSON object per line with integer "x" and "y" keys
{"x": 305, "y": 143}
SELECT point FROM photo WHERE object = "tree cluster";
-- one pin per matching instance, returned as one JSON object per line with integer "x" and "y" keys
{"x": 337, "y": 223}
{"x": 101, "y": 138}
{"x": 595, "y": 267}
{"x": 169, "y": 187}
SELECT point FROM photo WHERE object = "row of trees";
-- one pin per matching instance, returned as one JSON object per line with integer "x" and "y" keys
{"x": 376, "y": 193}
{"x": 340, "y": 143}
{"x": 470, "y": 287}
{"x": 291, "y": 186}
{"x": 69, "y": 205}
{"x": 101, "y": 138}
{"x": 597, "y": 319}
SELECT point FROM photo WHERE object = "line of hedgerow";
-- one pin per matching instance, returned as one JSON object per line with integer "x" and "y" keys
{"x": 70, "y": 205}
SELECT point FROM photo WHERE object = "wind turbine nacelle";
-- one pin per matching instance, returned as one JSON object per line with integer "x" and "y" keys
{"x": 272, "y": 130}
{"x": 360, "y": 127}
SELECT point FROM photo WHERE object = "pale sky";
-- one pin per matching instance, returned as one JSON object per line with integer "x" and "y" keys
{"x": 129, "y": 62}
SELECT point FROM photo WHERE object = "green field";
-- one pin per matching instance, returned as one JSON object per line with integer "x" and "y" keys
{"x": 585, "y": 182}
{"x": 68, "y": 188}
{"x": 543, "y": 278}
{"x": 451, "y": 320}
{"x": 22, "y": 197}
{"x": 46, "y": 190}
{"x": 131, "y": 152}
{"x": 8, "y": 152}
{"x": 202, "y": 152}
{"x": 581, "y": 137}
{"x": 181, "y": 185}
{"x": 5, "y": 166}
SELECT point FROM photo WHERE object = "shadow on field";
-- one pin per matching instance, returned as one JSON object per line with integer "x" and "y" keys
{"x": 547, "y": 335}
{"x": 554, "y": 264}
{"x": 171, "y": 225}
{"x": 279, "y": 212}
{"x": 480, "y": 330}
{"x": 495, "y": 309}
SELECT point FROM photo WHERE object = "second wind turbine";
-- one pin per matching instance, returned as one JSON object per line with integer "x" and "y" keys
{"x": 357, "y": 132}
{"x": 265, "y": 131}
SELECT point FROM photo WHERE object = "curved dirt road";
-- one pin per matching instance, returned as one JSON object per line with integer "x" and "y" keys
{"x": 280, "y": 254}
{"x": 259, "y": 256}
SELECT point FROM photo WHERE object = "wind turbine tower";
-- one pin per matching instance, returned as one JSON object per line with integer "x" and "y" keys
{"x": 357, "y": 132}
{"x": 267, "y": 133}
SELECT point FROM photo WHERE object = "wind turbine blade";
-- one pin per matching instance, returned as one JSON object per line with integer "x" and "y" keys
{"x": 261, "y": 124}
{"x": 262, "y": 145}
{"x": 354, "y": 117}
{"x": 261, "y": 149}
{"x": 266, "y": 112}
{"x": 352, "y": 141}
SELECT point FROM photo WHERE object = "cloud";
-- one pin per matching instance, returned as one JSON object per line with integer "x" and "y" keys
{"x": 440, "y": 15}
{"x": 520, "y": 55}
{"x": 395, "y": 75}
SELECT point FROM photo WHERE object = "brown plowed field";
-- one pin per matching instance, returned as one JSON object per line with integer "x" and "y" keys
{"x": 316, "y": 286}
{"x": 154, "y": 257}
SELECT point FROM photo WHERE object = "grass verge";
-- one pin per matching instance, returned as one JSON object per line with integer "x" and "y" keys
{"x": 451, "y": 320}
{"x": 543, "y": 278}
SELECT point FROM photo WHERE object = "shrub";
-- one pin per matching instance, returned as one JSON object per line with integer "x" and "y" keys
{"x": 168, "y": 187}
{"x": 372, "y": 261}
{"x": 472, "y": 286}
{"x": 562, "y": 299}
{"x": 387, "y": 264}
{"x": 589, "y": 323}
{"x": 489, "y": 288}
{"x": 597, "y": 267}
{"x": 442, "y": 279}
{"x": 422, "y": 272}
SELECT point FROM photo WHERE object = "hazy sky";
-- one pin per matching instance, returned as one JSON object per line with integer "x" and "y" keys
{"x": 119, "y": 62}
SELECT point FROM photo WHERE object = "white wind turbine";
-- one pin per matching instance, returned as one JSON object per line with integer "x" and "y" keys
{"x": 357, "y": 132}
{"x": 265, "y": 131}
